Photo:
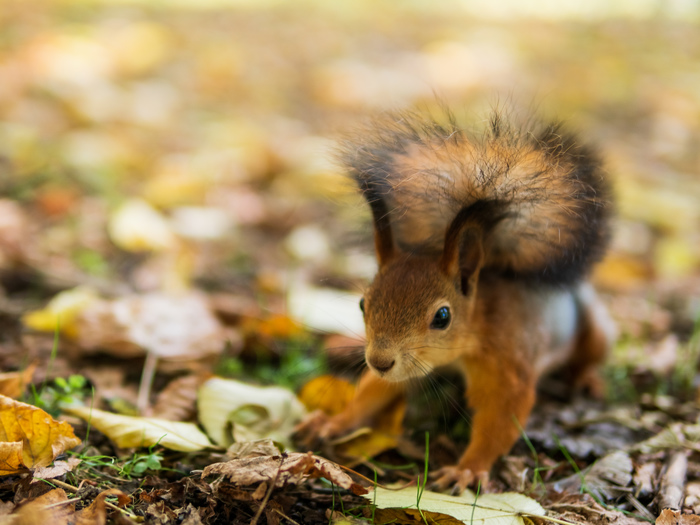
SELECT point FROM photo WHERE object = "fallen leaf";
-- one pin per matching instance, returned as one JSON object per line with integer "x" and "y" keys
{"x": 137, "y": 226}
{"x": 331, "y": 395}
{"x": 328, "y": 393}
{"x": 131, "y": 431}
{"x": 408, "y": 516}
{"x": 676, "y": 436}
{"x": 292, "y": 468}
{"x": 54, "y": 507}
{"x": 62, "y": 311}
{"x": 178, "y": 400}
{"x": 12, "y": 384}
{"x": 508, "y": 508}
{"x": 29, "y": 437}
{"x": 384, "y": 435}
{"x": 96, "y": 513}
{"x": 606, "y": 479}
{"x": 170, "y": 325}
{"x": 262, "y": 447}
{"x": 674, "y": 517}
{"x": 58, "y": 469}
{"x": 255, "y": 412}
{"x": 326, "y": 310}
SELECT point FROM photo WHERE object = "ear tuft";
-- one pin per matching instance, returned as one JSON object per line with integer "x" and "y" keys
{"x": 464, "y": 254}
{"x": 383, "y": 239}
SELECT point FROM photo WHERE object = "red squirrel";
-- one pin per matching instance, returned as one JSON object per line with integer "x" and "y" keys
{"x": 483, "y": 244}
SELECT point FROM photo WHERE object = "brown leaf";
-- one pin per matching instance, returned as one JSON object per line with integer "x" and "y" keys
{"x": 247, "y": 449}
{"x": 409, "y": 516}
{"x": 178, "y": 400}
{"x": 54, "y": 507}
{"x": 96, "y": 513}
{"x": 674, "y": 517}
{"x": 29, "y": 437}
{"x": 12, "y": 384}
{"x": 290, "y": 468}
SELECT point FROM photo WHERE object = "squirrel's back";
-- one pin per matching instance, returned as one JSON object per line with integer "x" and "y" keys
{"x": 541, "y": 196}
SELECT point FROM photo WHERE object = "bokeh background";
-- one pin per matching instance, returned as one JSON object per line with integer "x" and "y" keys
{"x": 218, "y": 119}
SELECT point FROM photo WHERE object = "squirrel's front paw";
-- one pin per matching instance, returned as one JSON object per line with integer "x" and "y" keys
{"x": 457, "y": 478}
{"x": 317, "y": 427}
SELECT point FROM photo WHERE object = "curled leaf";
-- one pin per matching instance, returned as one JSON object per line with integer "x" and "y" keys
{"x": 29, "y": 437}
{"x": 255, "y": 412}
{"x": 284, "y": 469}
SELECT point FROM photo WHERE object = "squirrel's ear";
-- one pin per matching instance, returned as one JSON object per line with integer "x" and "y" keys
{"x": 383, "y": 240}
{"x": 463, "y": 255}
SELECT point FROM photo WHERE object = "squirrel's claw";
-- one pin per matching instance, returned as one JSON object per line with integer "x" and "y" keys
{"x": 318, "y": 427}
{"x": 457, "y": 478}
{"x": 312, "y": 429}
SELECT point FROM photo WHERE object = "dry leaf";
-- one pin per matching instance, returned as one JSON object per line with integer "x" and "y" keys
{"x": 606, "y": 479}
{"x": 12, "y": 384}
{"x": 54, "y": 507}
{"x": 130, "y": 431}
{"x": 255, "y": 412}
{"x": 172, "y": 326}
{"x": 58, "y": 469}
{"x": 284, "y": 469}
{"x": 178, "y": 400}
{"x": 408, "y": 516}
{"x": 96, "y": 513}
{"x": 674, "y": 517}
{"x": 262, "y": 447}
{"x": 29, "y": 437}
{"x": 507, "y": 508}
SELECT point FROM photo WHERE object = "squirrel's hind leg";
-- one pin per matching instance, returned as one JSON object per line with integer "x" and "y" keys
{"x": 596, "y": 334}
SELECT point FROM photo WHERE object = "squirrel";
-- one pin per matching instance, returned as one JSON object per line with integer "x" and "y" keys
{"x": 483, "y": 242}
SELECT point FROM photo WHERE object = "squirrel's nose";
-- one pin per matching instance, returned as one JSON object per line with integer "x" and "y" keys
{"x": 382, "y": 366}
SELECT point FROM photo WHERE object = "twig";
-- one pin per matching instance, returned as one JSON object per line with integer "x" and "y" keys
{"x": 263, "y": 503}
{"x": 285, "y": 516}
{"x": 71, "y": 488}
{"x": 672, "y": 484}
{"x": 64, "y": 486}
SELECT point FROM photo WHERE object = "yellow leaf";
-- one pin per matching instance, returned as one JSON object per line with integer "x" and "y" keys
{"x": 328, "y": 393}
{"x": 12, "y": 384}
{"x": 29, "y": 437}
{"x": 131, "y": 431}
{"x": 62, "y": 311}
{"x": 507, "y": 508}
{"x": 383, "y": 436}
{"x": 331, "y": 395}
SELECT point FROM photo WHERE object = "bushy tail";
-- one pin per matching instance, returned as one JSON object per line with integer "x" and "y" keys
{"x": 554, "y": 204}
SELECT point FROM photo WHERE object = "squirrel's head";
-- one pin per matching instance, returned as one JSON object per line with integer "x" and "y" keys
{"x": 418, "y": 308}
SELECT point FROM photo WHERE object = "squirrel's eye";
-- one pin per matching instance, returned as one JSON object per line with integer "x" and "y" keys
{"x": 441, "y": 319}
{"x": 362, "y": 305}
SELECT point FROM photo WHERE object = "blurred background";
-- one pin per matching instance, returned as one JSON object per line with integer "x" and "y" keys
{"x": 176, "y": 143}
